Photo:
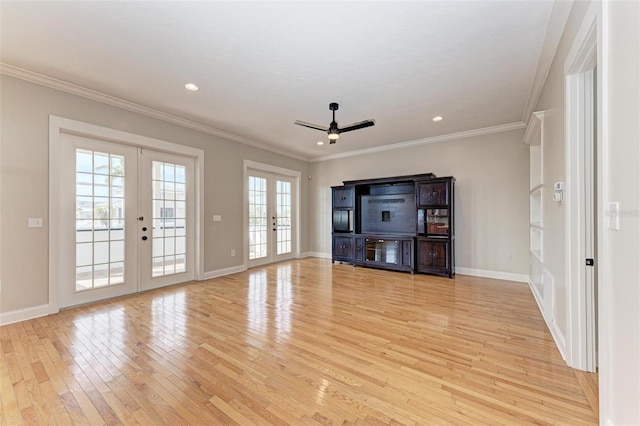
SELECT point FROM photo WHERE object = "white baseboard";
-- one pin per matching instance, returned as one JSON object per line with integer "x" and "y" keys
{"x": 222, "y": 272}
{"x": 26, "y": 314}
{"x": 558, "y": 337}
{"x": 315, "y": 254}
{"x": 509, "y": 276}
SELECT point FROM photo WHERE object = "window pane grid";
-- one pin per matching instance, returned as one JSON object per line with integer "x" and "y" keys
{"x": 99, "y": 200}
{"x": 283, "y": 216}
{"x": 169, "y": 219}
{"x": 257, "y": 217}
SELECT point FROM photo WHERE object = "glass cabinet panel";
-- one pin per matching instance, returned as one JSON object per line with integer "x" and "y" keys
{"x": 385, "y": 251}
{"x": 437, "y": 221}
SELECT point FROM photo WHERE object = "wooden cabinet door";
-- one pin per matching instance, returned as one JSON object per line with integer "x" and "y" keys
{"x": 359, "y": 252}
{"x": 433, "y": 193}
{"x": 407, "y": 252}
{"x": 433, "y": 255}
{"x": 342, "y": 248}
{"x": 343, "y": 197}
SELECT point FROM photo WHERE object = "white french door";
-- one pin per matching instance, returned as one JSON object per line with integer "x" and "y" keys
{"x": 166, "y": 219}
{"x": 125, "y": 220}
{"x": 272, "y": 224}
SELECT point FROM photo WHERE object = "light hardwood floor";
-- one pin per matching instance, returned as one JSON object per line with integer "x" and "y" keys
{"x": 301, "y": 342}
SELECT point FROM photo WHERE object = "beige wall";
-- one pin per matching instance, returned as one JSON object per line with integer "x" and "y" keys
{"x": 492, "y": 188}
{"x": 24, "y": 135}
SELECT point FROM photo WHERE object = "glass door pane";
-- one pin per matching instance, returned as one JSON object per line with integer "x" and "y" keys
{"x": 99, "y": 219}
{"x": 283, "y": 217}
{"x": 258, "y": 223}
{"x": 169, "y": 219}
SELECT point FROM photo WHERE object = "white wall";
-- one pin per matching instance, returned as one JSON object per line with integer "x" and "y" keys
{"x": 24, "y": 136}
{"x": 618, "y": 286}
{"x": 492, "y": 195}
{"x": 620, "y": 283}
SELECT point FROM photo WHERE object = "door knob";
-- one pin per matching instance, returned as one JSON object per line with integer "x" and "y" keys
{"x": 144, "y": 228}
{"x": 144, "y": 238}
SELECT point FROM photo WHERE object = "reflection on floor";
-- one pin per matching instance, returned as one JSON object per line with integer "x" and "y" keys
{"x": 300, "y": 342}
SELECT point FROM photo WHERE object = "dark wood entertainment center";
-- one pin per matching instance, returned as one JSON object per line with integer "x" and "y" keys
{"x": 402, "y": 223}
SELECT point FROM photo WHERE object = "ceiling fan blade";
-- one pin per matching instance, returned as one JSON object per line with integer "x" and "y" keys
{"x": 356, "y": 126}
{"x": 311, "y": 125}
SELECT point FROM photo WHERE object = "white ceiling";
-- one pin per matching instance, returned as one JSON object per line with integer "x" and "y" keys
{"x": 262, "y": 65}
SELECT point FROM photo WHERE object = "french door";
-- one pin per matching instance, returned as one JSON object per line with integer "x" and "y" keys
{"x": 125, "y": 220}
{"x": 272, "y": 225}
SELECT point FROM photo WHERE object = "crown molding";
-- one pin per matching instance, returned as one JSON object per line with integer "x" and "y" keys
{"x": 532, "y": 128}
{"x": 434, "y": 139}
{"x": 63, "y": 86}
{"x": 74, "y": 89}
{"x": 557, "y": 21}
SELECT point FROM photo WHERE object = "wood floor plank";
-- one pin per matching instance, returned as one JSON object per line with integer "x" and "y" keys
{"x": 299, "y": 342}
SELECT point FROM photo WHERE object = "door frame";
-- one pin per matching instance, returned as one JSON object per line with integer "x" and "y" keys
{"x": 59, "y": 125}
{"x": 581, "y": 302}
{"x": 268, "y": 168}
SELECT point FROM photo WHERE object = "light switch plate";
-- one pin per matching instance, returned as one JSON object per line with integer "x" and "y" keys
{"x": 217, "y": 218}
{"x": 614, "y": 216}
{"x": 34, "y": 222}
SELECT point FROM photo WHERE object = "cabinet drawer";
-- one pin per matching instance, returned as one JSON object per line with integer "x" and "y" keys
{"x": 433, "y": 193}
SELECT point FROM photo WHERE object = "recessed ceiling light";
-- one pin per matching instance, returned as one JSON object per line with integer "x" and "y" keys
{"x": 319, "y": 143}
{"x": 437, "y": 118}
{"x": 191, "y": 86}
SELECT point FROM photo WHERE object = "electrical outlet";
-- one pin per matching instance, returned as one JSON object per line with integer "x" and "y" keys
{"x": 233, "y": 252}
{"x": 217, "y": 218}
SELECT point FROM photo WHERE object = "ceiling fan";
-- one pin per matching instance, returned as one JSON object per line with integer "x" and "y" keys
{"x": 333, "y": 130}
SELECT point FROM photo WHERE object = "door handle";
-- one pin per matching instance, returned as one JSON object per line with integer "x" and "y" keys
{"x": 141, "y": 218}
{"x": 144, "y": 238}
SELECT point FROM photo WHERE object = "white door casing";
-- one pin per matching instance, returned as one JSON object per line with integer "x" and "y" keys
{"x": 271, "y": 213}
{"x": 59, "y": 128}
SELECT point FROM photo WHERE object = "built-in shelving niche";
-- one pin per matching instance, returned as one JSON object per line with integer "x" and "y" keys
{"x": 534, "y": 138}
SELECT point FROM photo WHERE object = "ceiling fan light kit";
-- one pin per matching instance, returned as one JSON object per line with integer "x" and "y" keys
{"x": 333, "y": 130}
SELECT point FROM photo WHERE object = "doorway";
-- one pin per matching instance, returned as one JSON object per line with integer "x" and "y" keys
{"x": 271, "y": 212}
{"x": 126, "y": 216}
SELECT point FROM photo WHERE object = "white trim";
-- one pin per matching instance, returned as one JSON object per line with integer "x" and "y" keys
{"x": 434, "y": 139}
{"x": 222, "y": 272}
{"x": 508, "y": 276}
{"x": 295, "y": 174}
{"x": 59, "y": 125}
{"x": 27, "y": 314}
{"x": 559, "y": 338}
{"x": 556, "y": 333}
{"x": 317, "y": 254}
{"x": 581, "y": 57}
{"x": 533, "y": 127}
{"x": 557, "y": 21}
{"x": 74, "y": 89}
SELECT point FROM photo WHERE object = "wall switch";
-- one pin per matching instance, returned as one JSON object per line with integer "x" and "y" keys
{"x": 217, "y": 218}
{"x": 614, "y": 216}
{"x": 233, "y": 252}
{"x": 34, "y": 222}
